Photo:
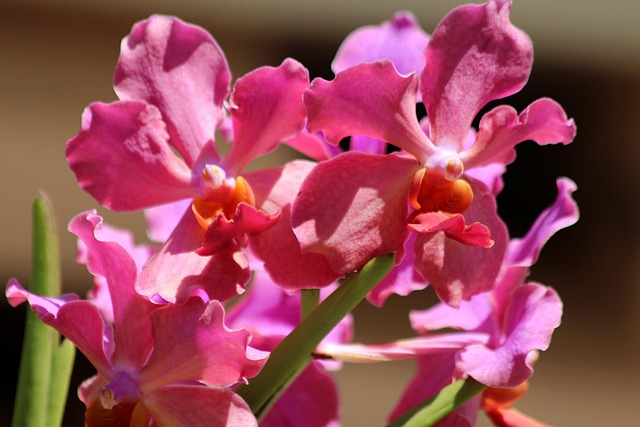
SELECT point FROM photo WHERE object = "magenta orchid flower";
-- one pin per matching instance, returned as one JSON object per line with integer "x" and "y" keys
{"x": 271, "y": 313}
{"x": 501, "y": 331}
{"x": 172, "y": 80}
{"x": 173, "y": 364}
{"x": 356, "y": 206}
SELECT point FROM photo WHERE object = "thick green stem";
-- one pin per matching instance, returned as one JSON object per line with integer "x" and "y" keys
{"x": 294, "y": 352}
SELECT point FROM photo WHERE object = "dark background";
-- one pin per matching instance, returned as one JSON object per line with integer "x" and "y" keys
{"x": 57, "y": 58}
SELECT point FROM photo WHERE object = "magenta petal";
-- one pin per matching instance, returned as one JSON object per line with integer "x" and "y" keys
{"x": 365, "y": 144}
{"x": 223, "y": 233}
{"x": 400, "y": 40}
{"x": 563, "y": 213}
{"x": 180, "y": 69}
{"x": 162, "y": 220}
{"x": 501, "y": 129}
{"x": 122, "y": 158}
{"x": 454, "y": 227}
{"x": 133, "y": 342}
{"x": 530, "y": 319}
{"x": 192, "y": 342}
{"x": 79, "y": 321}
{"x": 368, "y": 99}
{"x": 196, "y": 405}
{"x": 473, "y": 315}
{"x": 353, "y": 208}
{"x": 401, "y": 280}
{"x": 265, "y": 107}
{"x": 312, "y": 145}
{"x": 265, "y": 309}
{"x": 177, "y": 271}
{"x": 278, "y": 247}
{"x": 311, "y": 401}
{"x": 474, "y": 56}
{"x": 458, "y": 271}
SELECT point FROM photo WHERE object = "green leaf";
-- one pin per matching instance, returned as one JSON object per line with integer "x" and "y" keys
{"x": 44, "y": 375}
{"x": 293, "y": 354}
{"x": 439, "y": 406}
{"x": 59, "y": 379}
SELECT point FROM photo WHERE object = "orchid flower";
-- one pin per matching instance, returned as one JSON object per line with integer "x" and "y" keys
{"x": 501, "y": 330}
{"x": 356, "y": 206}
{"x": 173, "y": 364}
{"x": 156, "y": 146}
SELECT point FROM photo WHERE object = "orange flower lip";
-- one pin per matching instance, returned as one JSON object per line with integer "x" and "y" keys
{"x": 431, "y": 193}
{"x": 207, "y": 210}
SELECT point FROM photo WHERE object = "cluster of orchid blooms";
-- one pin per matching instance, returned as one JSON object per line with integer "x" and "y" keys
{"x": 169, "y": 347}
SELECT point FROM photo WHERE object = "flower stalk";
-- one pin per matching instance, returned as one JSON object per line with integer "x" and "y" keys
{"x": 294, "y": 352}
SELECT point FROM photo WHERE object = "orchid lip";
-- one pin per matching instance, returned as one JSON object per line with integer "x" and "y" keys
{"x": 431, "y": 193}
{"x": 207, "y": 209}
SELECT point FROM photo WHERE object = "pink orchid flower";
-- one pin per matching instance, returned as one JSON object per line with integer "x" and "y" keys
{"x": 356, "y": 206}
{"x": 156, "y": 146}
{"x": 501, "y": 331}
{"x": 172, "y": 365}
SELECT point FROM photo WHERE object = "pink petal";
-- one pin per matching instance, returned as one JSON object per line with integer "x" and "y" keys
{"x": 310, "y": 401}
{"x": 278, "y": 247}
{"x": 180, "y": 69}
{"x": 192, "y": 343}
{"x": 79, "y": 321}
{"x": 458, "y": 271}
{"x": 353, "y": 208}
{"x": 312, "y": 145}
{"x": 533, "y": 314}
{"x": 195, "y": 405}
{"x": 402, "y": 280}
{"x": 401, "y": 349}
{"x": 223, "y": 233}
{"x": 368, "y": 99}
{"x": 265, "y": 309}
{"x": 133, "y": 341}
{"x": 364, "y": 144}
{"x": 563, "y": 213}
{"x": 501, "y": 129}
{"x": 400, "y": 40}
{"x": 177, "y": 271}
{"x": 490, "y": 175}
{"x": 122, "y": 158}
{"x": 473, "y": 315}
{"x": 162, "y": 220}
{"x": 474, "y": 56}
{"x": 88, "y": 390}
{"x": 266, "y": 107}
{"x": 454, "y": 227}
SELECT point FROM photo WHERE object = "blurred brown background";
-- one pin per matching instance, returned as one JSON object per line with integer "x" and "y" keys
{"x": 57, "y": 57}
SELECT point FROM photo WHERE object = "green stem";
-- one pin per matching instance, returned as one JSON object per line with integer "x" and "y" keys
{"x": 439, "y": 406}
{"x": 309, "y": 299}
{"x": 294, "y": 352}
